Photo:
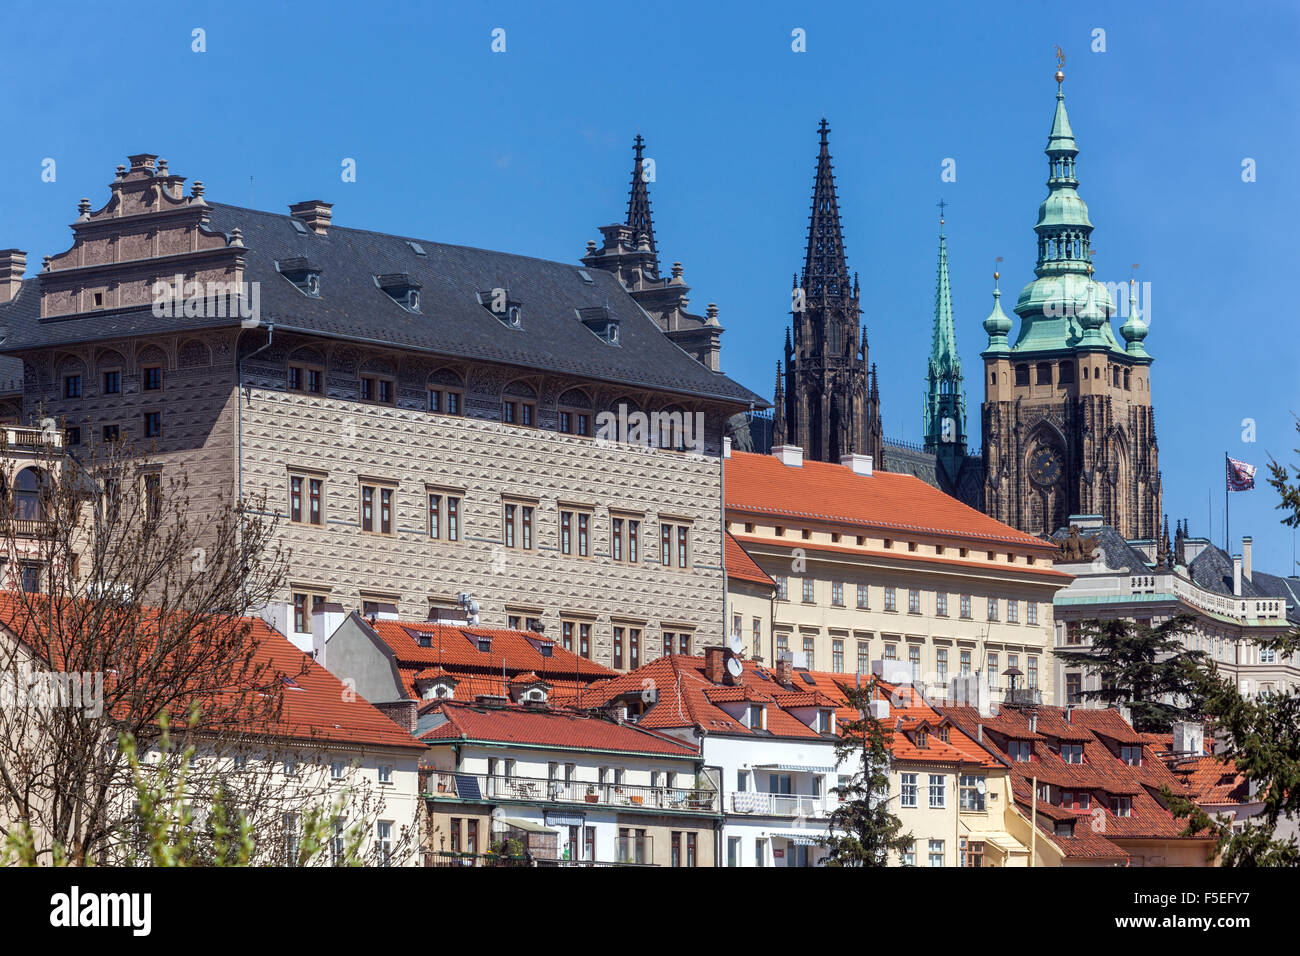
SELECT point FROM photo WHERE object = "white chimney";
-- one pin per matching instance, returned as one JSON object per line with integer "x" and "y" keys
{"x": 879, "y": 709}
{"x": 892, "y": 672}
{"x": 861, "y": 464}
{"x": 1247, "y": 546}
{"x": 1236, "y": 575}
{"x": 325, "y": 620}
{"x": 791, "y": 455}
{"x": 726, "y": 448}
{"x": 1189, "y": 737}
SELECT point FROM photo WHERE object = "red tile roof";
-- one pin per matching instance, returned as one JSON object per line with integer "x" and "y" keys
{"x": 455, "y": 650}
{"x": 1215, "y": 782}
{"x": 761, "y": 484}
{"x": 316, "y": 706}
{"x": 742, "y": 567}
{"x": 554, "y": 727}
{"x": 1101, "y": 775}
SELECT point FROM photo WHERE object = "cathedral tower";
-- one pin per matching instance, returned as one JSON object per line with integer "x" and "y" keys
{"x": 945, "y": 400}
{"x": 832, "y": 401}
{"x": 1068, "y": 422}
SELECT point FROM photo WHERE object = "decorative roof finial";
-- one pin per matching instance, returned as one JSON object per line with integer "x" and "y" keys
{"x": 1060, "y": 65}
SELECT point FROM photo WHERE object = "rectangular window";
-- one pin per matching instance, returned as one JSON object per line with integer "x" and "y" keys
{"x": 153, "y": 497}
{"x": 965, "y": 607}
{"x": 864, "y": 657}
{"x": 837, "y": 656}
{"x": 683, "y": 546}
{"x": 863, "y": 603}
{"x": 941, "y": 664}
{"x": 1031, "y": 612}
{"x": 891, "y": 652}
{"x": 1073, "y": 688}
{"x": 909, "y": 789}
{"x": 758, "y": 637}
{"x": 809, "y": 652}
{"x": 73, "y": 435}
{"x": 993, "y": 671}
{"x": 1131, "y": 756}
{"x": 633, "y": 648}
{"x": 584, "y": 640}
{"x": 1019, "y": 750}
{"x": 941, "y": 603}
{"x": 937, "y": 793}
{"x": 152, "y": 378}
{"x": 973, "y": 853}
{"x": 809, "y": 590}
{"x": 1013, "y": 611}
{"x": 368, "y": 508}
{"x": 936, "y": 853}
{"x": 111, "y": 434}
{"x": 913, "y": 601}
{"x": 993, "y": 609}
{"x": 782, "y": 587}
{"x": 782, "y": 645}
{"x": 153, "y": 424}
{"x": 304, "y": 602}
{"x": 907, "y": 857}
{"x": 1121, "y": 806}
{"x": 616, "y": 538}
{"x": 1072, "y": 753}
{"x": 891, "y": 598}
{"x": 566, "y": 634}
{"x": 618, "y": 647}
{"x": 113, "y": 382}
{"x": 517, "y": 521}
{"x": 296, "y": 483}
{"x": 72, "y": 386}
{"x": 1032, "y": 680}
{"x": 914, "y": 658}
{"x": 515, "y": 412}
{"x": 964, "y": 663}
{"x": 972, "y": 792}
{"x": 837, "y": 593}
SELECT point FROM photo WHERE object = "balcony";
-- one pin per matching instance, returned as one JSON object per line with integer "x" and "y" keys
{"x": 784, "y": 804}
{"x": 445, "y": 785}
{"x": 1024, "y": 697}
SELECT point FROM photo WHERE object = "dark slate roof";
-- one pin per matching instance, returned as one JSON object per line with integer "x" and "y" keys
{"x": 1116, "y": 550}
{"x": 450, "y": 322}
{"x": 1212, "y": 570}
{"x": 1288, "y": 588}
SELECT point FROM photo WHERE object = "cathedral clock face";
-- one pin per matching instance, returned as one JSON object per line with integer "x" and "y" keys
{"x": 1044, "y": 466}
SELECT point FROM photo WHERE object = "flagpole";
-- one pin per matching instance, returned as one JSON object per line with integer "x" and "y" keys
{"x": 1227, "y": 527}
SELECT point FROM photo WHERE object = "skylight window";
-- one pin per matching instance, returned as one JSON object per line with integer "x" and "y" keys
{"x": 585, "y": 276}
{"x": 416, "y": 247}
{"x": 298, "y": 226}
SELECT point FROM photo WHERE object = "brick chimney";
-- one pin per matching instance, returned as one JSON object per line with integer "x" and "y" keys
{"x": 715, "y": 660}
{"x": 13, "y": 263}
{"x": 314, "y": 213}
{"x": 784, "y": 669}
{"x": 404, "y": 713}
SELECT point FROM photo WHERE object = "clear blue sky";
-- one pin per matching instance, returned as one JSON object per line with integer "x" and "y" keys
{"x": 529, "y": 151}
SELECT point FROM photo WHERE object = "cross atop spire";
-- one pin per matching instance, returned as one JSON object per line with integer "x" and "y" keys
{"x": 825, "y": 271}
{"x": 638, "y": 203}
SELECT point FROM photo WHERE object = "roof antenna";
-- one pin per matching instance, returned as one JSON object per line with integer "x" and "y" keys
{"x": 250, "y": 192}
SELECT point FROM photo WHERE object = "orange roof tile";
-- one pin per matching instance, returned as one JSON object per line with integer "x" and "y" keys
{"x": 742, "y": 567}
{"x": 761, "y": 484}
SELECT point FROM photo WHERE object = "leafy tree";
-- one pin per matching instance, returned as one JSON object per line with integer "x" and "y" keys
{"x": 1147, "y": 669}
{"x": 868, "y": 830}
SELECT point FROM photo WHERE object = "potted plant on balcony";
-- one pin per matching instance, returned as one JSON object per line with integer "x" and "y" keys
{"x": 592, "y": 796}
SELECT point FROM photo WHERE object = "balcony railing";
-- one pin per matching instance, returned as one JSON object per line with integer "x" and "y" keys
{"x": 784, "y": 804}
{"x": 1025, "y": 696}
{"x": 29, "y": 527}
{"x": 468, "y": 786}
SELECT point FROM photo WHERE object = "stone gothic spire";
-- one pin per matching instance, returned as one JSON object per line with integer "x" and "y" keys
{"x": 825, "y": 270}
{"x": 638, "y": 202}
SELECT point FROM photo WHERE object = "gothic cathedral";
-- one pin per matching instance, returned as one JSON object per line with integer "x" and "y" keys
{"x": 827, "y": 402}
{"x": 1068, "y": 422}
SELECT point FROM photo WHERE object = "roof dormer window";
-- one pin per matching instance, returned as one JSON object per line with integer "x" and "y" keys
{"x": 602, "y": 323}
{"x": 756, "y": 717}
{"x": 402, "y": 289}
{"x": 508, "y": 311}
{"x": 304, "y": 274}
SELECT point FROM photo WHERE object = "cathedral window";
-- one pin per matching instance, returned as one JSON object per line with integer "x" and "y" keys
{"x": 1044, "y": 373}
{"x": 1065, "y": 373}
{"x": 1127, "y": 384}
{"x": 1022, "y": 374}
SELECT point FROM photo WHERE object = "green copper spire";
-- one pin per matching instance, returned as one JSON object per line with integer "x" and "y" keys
{"x": 945, "y": 408}
{"x": 1064, "y": 307}
{"x": 997, "y": 325}
{"x": 1135, "y": 329}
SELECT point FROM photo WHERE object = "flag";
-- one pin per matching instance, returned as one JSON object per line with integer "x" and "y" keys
{"x": 1241, "y": 476}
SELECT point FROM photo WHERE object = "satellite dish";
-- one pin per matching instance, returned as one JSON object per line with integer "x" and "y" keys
{"x": 736, "y": 643}
{"x": 981, "y": 787}
{"x": 734, "y": 668}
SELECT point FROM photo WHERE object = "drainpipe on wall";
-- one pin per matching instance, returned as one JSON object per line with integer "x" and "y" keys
{"x": 1033, "y": 822}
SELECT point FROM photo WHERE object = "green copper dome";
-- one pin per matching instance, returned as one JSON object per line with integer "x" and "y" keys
{"x": 1064, "y": 307}
{"x": 1135, "y": 328}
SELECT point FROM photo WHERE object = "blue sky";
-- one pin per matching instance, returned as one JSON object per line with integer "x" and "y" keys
{"x": 529, "y": 151}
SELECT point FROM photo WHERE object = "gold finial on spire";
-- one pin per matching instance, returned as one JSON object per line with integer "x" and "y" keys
{"x": 1060, "y": 64}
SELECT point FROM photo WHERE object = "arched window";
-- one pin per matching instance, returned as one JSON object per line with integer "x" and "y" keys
{"x": 27, "y": 495}
{"x": 1127, "y": 385}
{"x": 993, "y": 378}
{"x": 1044, "y": 373}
